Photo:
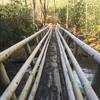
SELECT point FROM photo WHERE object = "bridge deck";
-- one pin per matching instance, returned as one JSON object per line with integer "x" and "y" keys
{"x": 51, "y": 76}
{"x": 51, "y": 87}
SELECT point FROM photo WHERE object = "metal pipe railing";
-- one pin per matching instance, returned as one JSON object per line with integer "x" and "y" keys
{"x": 93, "y": 53}
{"x": 15, "y": 82}
{"x": 38, "y": 77}
{"x": 90, "y": 94}
{"x": 28, "y": 84}
{"x": 76, "y": 89}
{"x": 8, "y": 52}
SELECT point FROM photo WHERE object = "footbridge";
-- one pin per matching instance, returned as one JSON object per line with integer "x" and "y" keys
{"x": 50, "y": 65}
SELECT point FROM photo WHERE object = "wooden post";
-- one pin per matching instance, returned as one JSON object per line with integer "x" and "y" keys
{"x": 27, "y": 48}
{"x": 90, "y": 94}
{"x": 16, "y": 80}
{"x": 4, "y": 79}
{"x": 37, "y": 40}
{"x": 76, "y": 47}
{"x": 4, "y": 55}
{"x": 96, "y": 81}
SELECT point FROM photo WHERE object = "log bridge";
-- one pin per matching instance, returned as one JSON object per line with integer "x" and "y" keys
{"x": 51, "y": 76}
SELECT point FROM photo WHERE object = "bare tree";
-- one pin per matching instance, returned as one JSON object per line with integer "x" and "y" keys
{"x": 67, "y": 16}
{"x": 54, "y": 11}
{"x": 33, "y": 10}
{"x": 44, "y": 6}
{"x": 86, "y": 15}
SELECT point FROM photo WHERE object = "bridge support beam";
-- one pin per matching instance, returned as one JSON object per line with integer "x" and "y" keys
{"x": 90, "y": 94}
{"x": 96, "y": 81}
{"x": 4, "y": 79}
{"x": 27, "y": 48}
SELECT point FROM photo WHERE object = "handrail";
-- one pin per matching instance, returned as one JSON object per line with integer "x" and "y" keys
{"x": 15, "y": 82}
{"x": 28, "y": 84}
{"x": 66, "y": 63}
{"x": 69, "y": 87}
{"x": 91, "y": 95}
{"x": 74, "y": 92}
{"x": 38, "y": 77}
{"x": 92, "y": 52}
{"x": 8, "y": 52}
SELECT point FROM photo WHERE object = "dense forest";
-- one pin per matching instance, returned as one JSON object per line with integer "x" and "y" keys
{"x": 20, "y": 18}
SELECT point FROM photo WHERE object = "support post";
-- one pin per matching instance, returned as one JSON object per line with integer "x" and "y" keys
{"x": 4, "y": 79}
{"x": 27, "y": 48}
{"x": 37, "y": 40}
{"x": 96, "y": 81}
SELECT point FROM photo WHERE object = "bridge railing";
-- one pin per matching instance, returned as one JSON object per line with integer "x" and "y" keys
{"x": 95, "y": 55}
{"x": 8, "y": 52}
{"x": 92, "y": 52}
{"x": 12, "y": 86}
{"x": 89, "y": 92}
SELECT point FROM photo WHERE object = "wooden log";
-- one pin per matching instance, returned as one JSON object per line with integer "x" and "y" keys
{"x": 37, "y": 40}
{"x": 15, "y": 82}
{"x": 27, "y": 48}
{"x": 93, "y": 53}
{"x": 76, "y": 89}
{"x": 28, "y": 84}
{"x": 96, "y": 81}
{"x": 71, "y": 95}
{"x": 8, "y": 52}
{"x": 91, "y": 95}
{"x": 38, "y": 77}
{"x": 4, "y": 79}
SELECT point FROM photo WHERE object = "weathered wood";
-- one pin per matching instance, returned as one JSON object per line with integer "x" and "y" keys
{"x": 71, "y": 95}
{"x": 93, "y": 53}
{"x": 96, "y": 82}
{"x": 91, "y": 95}
{"x": 38, "y": 77}
{"x": 4, "y": 79}
{"x": 8, "y": 52}
{"x": 28, "y": 84}
{"x": 27, "y": 48}
{"x": 76, "y": 89}
{"x": 15, "y": 82}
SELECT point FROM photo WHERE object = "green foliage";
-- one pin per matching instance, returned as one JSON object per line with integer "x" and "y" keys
{"x": 62, "y": 16}
{"x": 79, "y": 15}
{"x": 15, "y": 21}
{"x": 80, "y": 12}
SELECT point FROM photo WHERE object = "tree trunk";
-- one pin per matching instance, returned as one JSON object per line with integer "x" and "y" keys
{"x": 67, "y": 16}
{"x": 86, "y": 17}
{"x": 44, "y": 10}
{"x": 54, "y": 11}
{"x": 33, "y": 7}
